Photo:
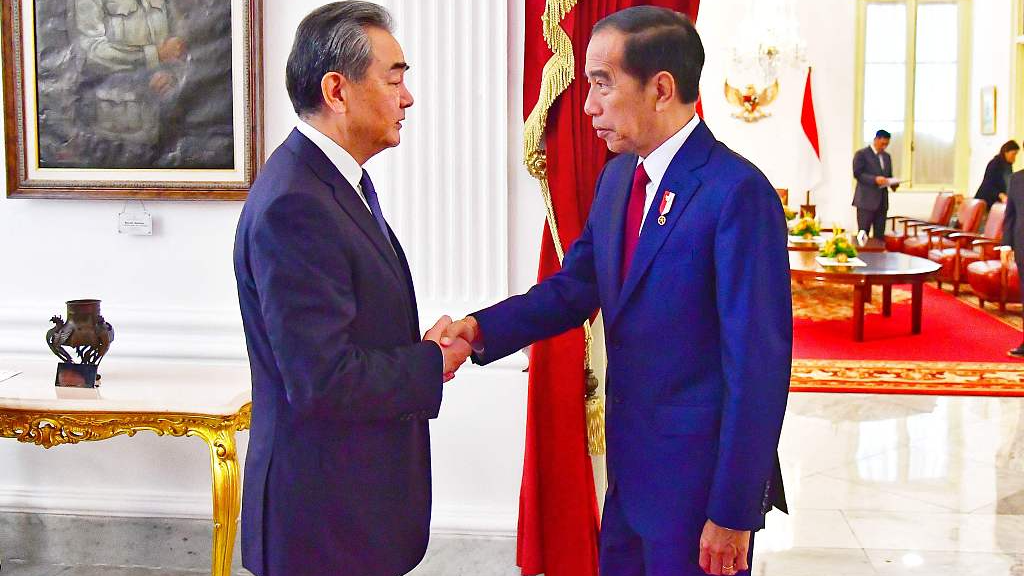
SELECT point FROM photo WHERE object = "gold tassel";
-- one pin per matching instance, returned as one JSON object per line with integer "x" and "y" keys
{"x": 595, "y": 417}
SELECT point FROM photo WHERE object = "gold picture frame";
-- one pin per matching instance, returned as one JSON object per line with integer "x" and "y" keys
{"x": 168, "y": 106}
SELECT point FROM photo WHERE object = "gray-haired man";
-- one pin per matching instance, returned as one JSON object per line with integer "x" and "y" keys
{"x": 337, "y": 478}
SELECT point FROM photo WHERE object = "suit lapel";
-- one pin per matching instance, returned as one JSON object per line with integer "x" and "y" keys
{"x": 618, "y": 185}
{"x": 414, "y": 319}
{"x": 680, "y": 180}
{"x": 345, "y": 196}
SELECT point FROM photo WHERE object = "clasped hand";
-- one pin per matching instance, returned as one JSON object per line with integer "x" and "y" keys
{"x": 454, "y": 339}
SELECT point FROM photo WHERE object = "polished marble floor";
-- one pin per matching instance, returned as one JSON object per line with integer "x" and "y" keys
{"x": 878, "y": 485}
{"x": 886, "y": 484}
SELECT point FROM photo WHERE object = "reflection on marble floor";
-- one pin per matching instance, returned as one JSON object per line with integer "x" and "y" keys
{"x": 877, "y": 484}
{"x": 882, "y": 484}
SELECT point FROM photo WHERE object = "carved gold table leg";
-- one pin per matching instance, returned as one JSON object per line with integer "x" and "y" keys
{"x": 227, "y": 498}
{"x": 49, "y": 429}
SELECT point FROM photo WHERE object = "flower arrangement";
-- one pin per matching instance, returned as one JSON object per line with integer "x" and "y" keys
{"x": 839, "y": 246}
{"x": 807, "y": 228}
{"x": 790, "y": 213}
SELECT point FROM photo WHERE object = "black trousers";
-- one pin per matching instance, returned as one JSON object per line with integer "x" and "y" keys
{"x": 868, "y": 219}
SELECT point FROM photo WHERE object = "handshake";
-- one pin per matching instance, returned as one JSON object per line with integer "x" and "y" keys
{"x": 456, "y": 339}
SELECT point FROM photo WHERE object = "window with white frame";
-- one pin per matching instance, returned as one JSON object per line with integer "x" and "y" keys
{"x": 912, "y": 63}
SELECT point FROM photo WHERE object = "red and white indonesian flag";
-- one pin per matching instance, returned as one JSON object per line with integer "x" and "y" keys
{"x": 808, "y": 160}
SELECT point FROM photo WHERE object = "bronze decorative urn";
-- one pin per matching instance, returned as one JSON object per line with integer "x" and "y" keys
{"x": 88, "y": 334}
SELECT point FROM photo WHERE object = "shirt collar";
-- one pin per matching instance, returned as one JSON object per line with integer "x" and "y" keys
{"x": 657, "y": 162}
{"x": 342, "y": 160}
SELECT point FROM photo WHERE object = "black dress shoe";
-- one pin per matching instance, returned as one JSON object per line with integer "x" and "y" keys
{"x": 1017, "y": 352}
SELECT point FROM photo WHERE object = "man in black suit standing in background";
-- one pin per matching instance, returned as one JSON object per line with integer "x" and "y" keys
{"x": 872, "y": 168}
{"x": 1013, "y": 232}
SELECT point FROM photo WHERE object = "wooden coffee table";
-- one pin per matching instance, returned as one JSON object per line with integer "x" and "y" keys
{"x": 883, "y": 269}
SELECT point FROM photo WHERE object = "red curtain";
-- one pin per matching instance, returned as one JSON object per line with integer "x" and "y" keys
{"x": 558, "y": 513}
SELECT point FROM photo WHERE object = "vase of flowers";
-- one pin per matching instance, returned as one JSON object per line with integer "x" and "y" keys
{"x": 839, "y": 247}
{"x": 807, "y": 228}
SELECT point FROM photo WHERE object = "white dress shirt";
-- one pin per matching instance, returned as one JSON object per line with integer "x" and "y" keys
{"x": 350, "y": 170}
{"x": 656, "y": 163}
{"x": 881, "y": 161}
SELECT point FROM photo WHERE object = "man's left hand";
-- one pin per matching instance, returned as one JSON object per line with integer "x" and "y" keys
{"x": 723, "y": 552}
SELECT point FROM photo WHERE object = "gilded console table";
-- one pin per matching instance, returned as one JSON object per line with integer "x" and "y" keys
{"x": 210, "y": 401}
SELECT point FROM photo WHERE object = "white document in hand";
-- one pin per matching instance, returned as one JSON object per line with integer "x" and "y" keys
{"x": 892, "y": 181}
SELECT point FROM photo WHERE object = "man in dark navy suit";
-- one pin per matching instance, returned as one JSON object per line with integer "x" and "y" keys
{"x": 872, "y": 169}
{"x": 685, "y": 253}
{"x": 337, "y": 476}
{"x": 1013, "y": 231}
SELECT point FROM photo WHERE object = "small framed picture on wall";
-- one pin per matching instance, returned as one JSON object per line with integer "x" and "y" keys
{"x": 988, "y": 110}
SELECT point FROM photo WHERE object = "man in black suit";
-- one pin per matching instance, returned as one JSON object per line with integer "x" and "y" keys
{"x": 337, "y": 477}
{"x": 1013, "y": 232}
{"x": 872, "y": 168}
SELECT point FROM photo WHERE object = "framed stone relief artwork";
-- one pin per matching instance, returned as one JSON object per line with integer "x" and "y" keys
{"x": 147, "y": 99}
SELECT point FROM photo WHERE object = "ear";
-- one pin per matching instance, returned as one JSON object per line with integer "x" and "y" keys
{"x": 664, "y": 89}
{"x": 334, "y": 88}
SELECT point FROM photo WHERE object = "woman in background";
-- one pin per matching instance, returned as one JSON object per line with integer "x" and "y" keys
{"x": 997, "y": 175}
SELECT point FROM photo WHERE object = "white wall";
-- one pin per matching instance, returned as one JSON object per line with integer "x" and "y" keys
{"x": 829, "y": 29}
{"x": 446, "y": 191}
{"x": 991, "y": 65}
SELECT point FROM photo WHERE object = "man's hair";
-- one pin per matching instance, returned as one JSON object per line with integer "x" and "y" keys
{"x": 883, "y": 134}
{"x": 659, "y": 39}
{"x": 332, "y": 38}
{"x": 1008, "y": 146}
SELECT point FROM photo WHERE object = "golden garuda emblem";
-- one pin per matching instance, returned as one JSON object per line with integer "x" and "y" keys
{"x": 750, "y": 101}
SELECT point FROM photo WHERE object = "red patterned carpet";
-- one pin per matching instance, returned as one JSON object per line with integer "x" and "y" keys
{"x": 961, "y": 350}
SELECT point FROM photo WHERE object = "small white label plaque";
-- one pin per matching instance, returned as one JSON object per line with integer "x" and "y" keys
{"x": 135, "y": 223}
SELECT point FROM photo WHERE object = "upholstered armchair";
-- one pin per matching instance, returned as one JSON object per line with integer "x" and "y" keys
{"x": 942, "y": 211}
{"x": 925, "y": 237}
{"x": 996, "y": 280}
{"x": 968, "y": 249}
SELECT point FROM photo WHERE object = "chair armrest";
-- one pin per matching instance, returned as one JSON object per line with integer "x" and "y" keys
{"x": 988, "y": 248}
{"x": 1005, "y": 255}
{"x": 906, "y": 221}
{"x": 942, "y": 231}
{"x": 962, "y": 238}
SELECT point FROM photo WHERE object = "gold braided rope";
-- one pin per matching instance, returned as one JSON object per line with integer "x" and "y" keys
{"x": 558, "y": 74}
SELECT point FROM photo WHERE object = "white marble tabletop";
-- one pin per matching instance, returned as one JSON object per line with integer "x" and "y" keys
{"x": 129, "y": 385}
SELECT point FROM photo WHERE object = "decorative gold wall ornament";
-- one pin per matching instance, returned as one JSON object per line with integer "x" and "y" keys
{"x": 751, "y": 101}
{"x": 49, "y": 429}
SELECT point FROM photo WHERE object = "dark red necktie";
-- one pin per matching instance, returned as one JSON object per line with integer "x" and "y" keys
{"x": 634, "y": 217}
